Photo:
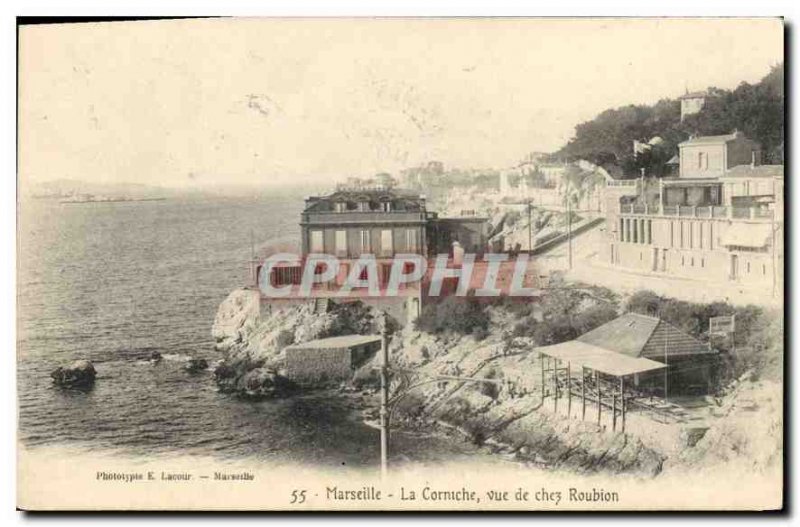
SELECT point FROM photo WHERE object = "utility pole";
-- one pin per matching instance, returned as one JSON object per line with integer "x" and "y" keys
{"x": 384, "y": 397}
{"x": 569, "y": 231}
{"x": 666, "y": 370}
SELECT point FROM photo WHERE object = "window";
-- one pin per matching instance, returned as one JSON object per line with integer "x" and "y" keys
{"x": 340, "y": 206}
{"x": 672, "y": 234}
{"x": 691, "y": 234}
{"x": 681, "y": 229}
{"x": 702, "y": 262}
{"x": 702, "y": 160}
{"x": 411, "y": 240}
{"x": 683, "y": 261}
{"x": 748, "y": 267}
{"x": 366, "y": 245}
{"x": 341, "y": 243}
{"x": 700, "y": 235}
{"x": 710, "y": 235}
{"x": 621, "y": 230}
{"x": 387, "y": 246}
{"x": 386, "y": 206}
{"x": 317, "y": 245}
{"x": 363, "y": 206}
{"x": 691, "y": 262}
{"x": 763, "y": 269}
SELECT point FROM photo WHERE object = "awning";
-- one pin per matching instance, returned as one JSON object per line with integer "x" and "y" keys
{"x": 581, "y": 354}
{"x": 746, "y": 235}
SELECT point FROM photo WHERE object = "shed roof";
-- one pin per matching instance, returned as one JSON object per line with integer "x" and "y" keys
{"x": 343, "y": 341}
{"x": 638, "y": 335}
{"x": 599, "y": 359}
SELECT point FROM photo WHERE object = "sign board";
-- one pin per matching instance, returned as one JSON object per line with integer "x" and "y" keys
{"x": 721, "y": 325}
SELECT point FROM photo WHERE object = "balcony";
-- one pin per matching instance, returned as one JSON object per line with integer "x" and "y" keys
{"x": 708, "y": 211}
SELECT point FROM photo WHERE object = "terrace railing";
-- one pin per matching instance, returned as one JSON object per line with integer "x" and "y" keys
{"x": 707, "y": 211}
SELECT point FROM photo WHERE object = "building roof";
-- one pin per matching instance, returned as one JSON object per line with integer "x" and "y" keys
{"x": 712, "y": 139}
{"x": 596, "y": 358}
{"x": 758, "y": 171}
{"x": 369, "y": 192}
{"x": 343, "y": 341}
{"x": 406, "y": 199}
{"x": 638, "y": 335}
{"x": 694, "y": 95}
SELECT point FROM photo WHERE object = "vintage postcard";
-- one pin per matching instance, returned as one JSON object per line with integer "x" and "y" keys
{"x": 521, "y": 264}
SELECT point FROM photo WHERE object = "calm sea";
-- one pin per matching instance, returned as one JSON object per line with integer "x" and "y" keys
{"x": 112, "y": 282}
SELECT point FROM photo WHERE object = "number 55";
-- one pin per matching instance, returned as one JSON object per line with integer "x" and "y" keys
{"x": 298, "y": 496}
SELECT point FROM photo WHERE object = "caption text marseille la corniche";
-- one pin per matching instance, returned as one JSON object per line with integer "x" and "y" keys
{"x": 368, "y": 493}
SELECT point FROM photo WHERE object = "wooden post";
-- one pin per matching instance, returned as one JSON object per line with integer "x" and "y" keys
{"x": 555, "y": 385}
{"x": 599, "y": 397}
{"x": 614, "y": 411}
{"x": 569, "y": 391}
{"x": 622, "y": 394}
{"x": 541, "y": 361}
{"x": 583, "y": 393}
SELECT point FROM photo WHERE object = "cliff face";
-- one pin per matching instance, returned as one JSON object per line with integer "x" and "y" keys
{"x": 252, "y": 343}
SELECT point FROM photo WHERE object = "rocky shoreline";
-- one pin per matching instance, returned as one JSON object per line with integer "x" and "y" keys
{"x": 252, "y": 343}
{"x": 507, "y": 421}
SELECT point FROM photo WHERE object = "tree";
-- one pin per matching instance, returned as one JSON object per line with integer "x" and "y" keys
{"x": 756, "y": 110}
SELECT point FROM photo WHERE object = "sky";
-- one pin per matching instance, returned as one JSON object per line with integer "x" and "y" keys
{"x": 281, "y": 101}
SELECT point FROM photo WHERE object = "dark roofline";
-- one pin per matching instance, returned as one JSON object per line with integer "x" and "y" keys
{"x": 694, "y": 95}
{"x": 707, "y": 348}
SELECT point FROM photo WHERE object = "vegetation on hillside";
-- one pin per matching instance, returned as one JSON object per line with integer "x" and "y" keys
{"x": 566, "y": 313}
{"x": 756, "y": 345}
{"x": 754, "y": 109}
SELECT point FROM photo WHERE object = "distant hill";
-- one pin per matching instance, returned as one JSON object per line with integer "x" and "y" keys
{"x": 754, "y": 109}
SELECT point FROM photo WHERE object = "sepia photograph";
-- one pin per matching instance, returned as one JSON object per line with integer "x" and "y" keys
{"x": 400, "y": 264}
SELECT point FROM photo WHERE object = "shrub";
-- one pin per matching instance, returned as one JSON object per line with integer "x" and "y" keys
{"x": 525, "y": 327}
{"x": 554, "y": 331}
{"x": 284, "y": 338}
{"x": 489, "y": 389}
{"x": 356, "y": 318}
{"x": 460, "y": 315}
{"x": 644, "y": 303}
{"x": 593, "y": 317}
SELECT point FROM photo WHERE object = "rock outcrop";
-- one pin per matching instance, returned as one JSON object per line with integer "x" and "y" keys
{"x": 252, "y": 339}
{"x": 79, "y": 374}
{"x": 255, "y": 383}
{"x": 195, "y": 365}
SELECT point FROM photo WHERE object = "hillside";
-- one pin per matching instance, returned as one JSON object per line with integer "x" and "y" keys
{"x": 754, "y": 109}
